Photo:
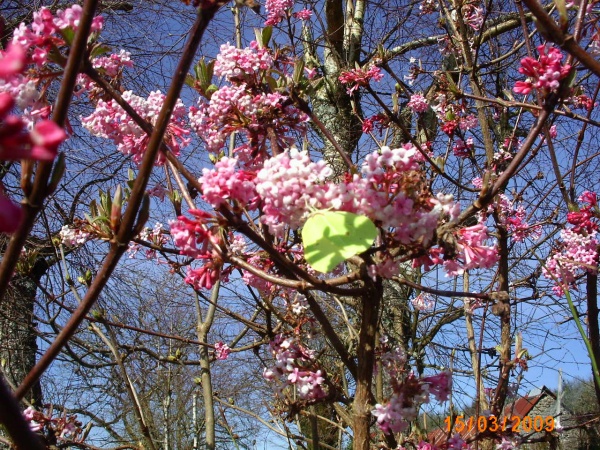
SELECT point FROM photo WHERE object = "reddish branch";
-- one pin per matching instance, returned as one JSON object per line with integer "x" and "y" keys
{"x": 131, "y": 219}
{"x": 551, "y": 31}
{"x": 34, "y": 200}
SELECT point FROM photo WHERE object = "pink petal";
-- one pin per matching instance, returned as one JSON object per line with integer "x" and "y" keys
{"x": 10, "y": 215}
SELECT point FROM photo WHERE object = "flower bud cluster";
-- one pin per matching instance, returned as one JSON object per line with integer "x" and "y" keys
{"x": 295, "y": 365}
{"x": 360, "y": 77}
{"x": 63, "y": 427}
{"x": 545, "y": 74}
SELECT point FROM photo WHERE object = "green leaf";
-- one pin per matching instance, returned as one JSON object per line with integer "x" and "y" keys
{"x": 298, "y": 71}
{"x": 331, "y": 237}
{"x": 263, "y": 36}
{"x": 98, "y": 50}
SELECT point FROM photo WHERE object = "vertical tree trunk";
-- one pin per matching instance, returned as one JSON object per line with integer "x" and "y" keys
{"x": 593, "y": 328}
{"x": 18, "y": 346}
{"x": 502, "y": 309}
{"x": 366, "y": 359}
{"x": 202, "y": 328}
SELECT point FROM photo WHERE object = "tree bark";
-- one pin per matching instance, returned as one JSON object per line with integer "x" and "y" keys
{"x": 366, "y": 358}
{"x": 18, "y": 336}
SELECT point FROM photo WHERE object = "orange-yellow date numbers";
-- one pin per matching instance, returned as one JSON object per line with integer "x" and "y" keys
{"x": 516, "y": 424}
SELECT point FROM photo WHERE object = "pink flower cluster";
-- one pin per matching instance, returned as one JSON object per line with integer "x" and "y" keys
{"x": 259, "y": 261}
{"x": 544, "y": 75}
{"x": 222, "y": 351}
{"x": 380, "y": 120}
{"x": 64, "y": 427}
{"x": 360, "y": 77}
{"x": 423, "y": 302}
{"x": 277, "y": 10}
{"x": 474, "y": 16}
{"x": 519, "y": 228}
{"x": 513, "y": 217}
{"x": 418, "y": 103}
{"x": 462, "y": 149}
{"x": 235, "y": 64}
{"x": 70, "y": 17}
{"x": 472, "y": 251}
{"x": 72, "y": 236}
{"x": 401, "y": 409}
{"x": 578, "y": 251}
{"x": 295, "y": 365}
{"x": 389, "y": 190}
{"x": 290, "y": 184}
{"x": 194, "y": 238}
{"x": 110, "y": 66}
{"x": 246, "y": 106}
{"x": 42, "y": 36}
{"x": 225, "y": 183}
{"x": 110, "y": 121}
{"x": 468, "y": 251}
{"x": 303, "y": 14}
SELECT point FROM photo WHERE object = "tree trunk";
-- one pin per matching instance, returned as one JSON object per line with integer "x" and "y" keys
{"x": 366, "y": 360}
{"x": 18, "y": 346}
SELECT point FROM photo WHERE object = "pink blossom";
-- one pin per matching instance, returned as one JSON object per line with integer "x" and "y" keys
{"x": 468, "y": 122}
{"x": 462, "y": 149}
{"x": 12, "y": 61}
{"x": 158, "y": 191}
{"x": 31, "y": 415}
{"x": 440, "y": 385}
{"x": 456, "y": 442}
{"x": 295, "y": 365}
{"x": 588, "y": 197}
{"x": 204, "y": 277}
{"x": 222, "y": 350}
{"x": 192, "y": 236}
{"x": 110, "y": 121}
{"x": 289, "y": 184}
{"x": 423, "y": 302}
{"x": 239, "y": 108}
{"x": 70, "y": 18}
{"x": 233, "y": 63}
{"x": 73, "y": 236}
{"x": 583, "y": 102}
{"x": 576, "y": 253}
{"x": 394, "y": 417}
{"x": 545, "y": 74}
{"x": 111, "y": 65}
{"x": 474, "y": 16}
{"x": 509, "y": 443}
{"x": 10, "y": 215}
{"x": 418, "y": 103}
{"x": 224, "y": 183}
{"x": 277, "y": 10}
{"x": 356, "y": 78}
{"x": 304, "y": 14}
{"x": 310, "y": 72}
